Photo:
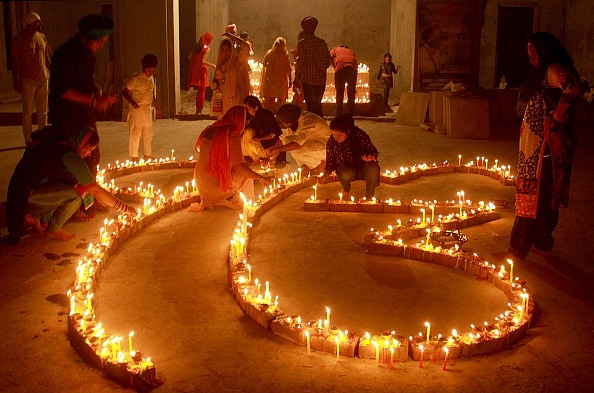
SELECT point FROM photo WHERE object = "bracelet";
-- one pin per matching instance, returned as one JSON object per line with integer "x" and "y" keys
{"x": 120, "y": 206}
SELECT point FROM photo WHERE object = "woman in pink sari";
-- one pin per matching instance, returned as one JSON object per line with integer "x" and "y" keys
{"x": 221, "y": 171}
{"x": 198, "y": 77}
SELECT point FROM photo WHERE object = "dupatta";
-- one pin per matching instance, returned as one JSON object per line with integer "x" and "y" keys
{"x": 218, "y": 166}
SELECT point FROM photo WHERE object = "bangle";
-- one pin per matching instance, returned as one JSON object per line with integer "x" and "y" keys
{"x": 120, "y": 206}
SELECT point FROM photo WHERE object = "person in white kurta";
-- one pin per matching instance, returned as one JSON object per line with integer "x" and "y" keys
{"x": 305, "y": 137}
{"x": 139, "y": 91}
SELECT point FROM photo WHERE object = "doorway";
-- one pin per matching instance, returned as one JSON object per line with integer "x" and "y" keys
{"x": 514, "y": 24}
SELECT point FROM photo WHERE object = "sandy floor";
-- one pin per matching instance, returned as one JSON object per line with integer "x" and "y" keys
{"x": 169, "y": 285}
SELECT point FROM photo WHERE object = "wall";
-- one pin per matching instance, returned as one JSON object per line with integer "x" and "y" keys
{"x": 570, "y": 21}
{"x": 370, "y": 28}
{"x": 579, "y": 36}
{"x": 56, "y": 28}
{"x": 362, "y": 26}
{"x": 151, "y": 28}
{"x": 403, "y": 13}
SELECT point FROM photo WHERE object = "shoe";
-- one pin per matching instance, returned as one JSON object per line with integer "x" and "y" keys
{"x": 146, "y": 158}
{"x": 542, "y": 253}
{"x": 134, "y": 159}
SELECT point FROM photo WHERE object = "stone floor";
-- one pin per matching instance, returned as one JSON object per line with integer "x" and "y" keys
{"x": 168, "y": 284}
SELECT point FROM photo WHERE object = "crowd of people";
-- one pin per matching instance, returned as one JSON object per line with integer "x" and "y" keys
{"x": 55, "y": 179}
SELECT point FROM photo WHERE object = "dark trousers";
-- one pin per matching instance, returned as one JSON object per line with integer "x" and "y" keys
{"x": 348, "y": 76}
{"x": 369, "y": 172}
{"x": 386, "y": 95}
{"x": 313, "y": 98}
{"x": 537, "y": 231}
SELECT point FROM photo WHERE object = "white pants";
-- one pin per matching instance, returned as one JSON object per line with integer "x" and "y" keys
{"x": 34, "y": 91}
{"x": 141, "y": 126}
{"x": 310, "y": 158}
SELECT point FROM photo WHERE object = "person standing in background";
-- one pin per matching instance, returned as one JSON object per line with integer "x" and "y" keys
{"x": 226, "y": 74}
{"x": 198, "y": 77}
{"x": 297, "y": 90}
{"x": 140, "y": 93}
{"x": 74, "y": 97}
{"x": 30, "y": 55}
{"x": 345, "y": 72}
{"x": 384, "y": 76}
{"x": 276, "y": 75}
{"x": 243, "y": 51}
{"x": 312, "y": 64}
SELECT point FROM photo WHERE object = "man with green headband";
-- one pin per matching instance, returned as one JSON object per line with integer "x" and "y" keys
{"x": 74, "y": 97}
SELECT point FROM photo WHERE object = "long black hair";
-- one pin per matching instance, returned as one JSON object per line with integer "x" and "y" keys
{"x": 549, "y": 51}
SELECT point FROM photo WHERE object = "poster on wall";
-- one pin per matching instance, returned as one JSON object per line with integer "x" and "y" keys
{"x": 443, "y": 52}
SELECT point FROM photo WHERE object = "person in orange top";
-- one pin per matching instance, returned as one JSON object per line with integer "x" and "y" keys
{"x": 276, "y": 75}
{"x": 221, "y": 171}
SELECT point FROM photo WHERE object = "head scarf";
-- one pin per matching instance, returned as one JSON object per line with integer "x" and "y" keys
{"x": 95, "y": 26}
{"x": 280, "y": 44}
{"x": 218, "y": 165}
{"x": 221, "y": 61}
{"x": 309, "y": 24}
{"x": 79, "y": 138}
{"x": 206, "y": 38}
{"x": 30, "y": 17}
{"x": 232, "y": 29}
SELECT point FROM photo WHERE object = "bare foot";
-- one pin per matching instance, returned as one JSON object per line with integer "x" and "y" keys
{"x": 232, "y": 204}
{"x": 197, "y": 207}
{"x": 35, "y": 223}
{"x": 60, "y": 235}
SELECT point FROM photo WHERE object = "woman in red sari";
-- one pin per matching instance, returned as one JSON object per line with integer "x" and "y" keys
{"x": 198, "y": 77}
{"x": 547, "y": 143}
{"x": 221, "y": 171}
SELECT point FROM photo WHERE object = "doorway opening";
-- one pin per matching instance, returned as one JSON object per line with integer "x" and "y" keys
{"x": 514, "y": 24}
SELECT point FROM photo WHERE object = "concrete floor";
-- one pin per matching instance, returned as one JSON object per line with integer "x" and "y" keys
{"x": 169, "y": 285}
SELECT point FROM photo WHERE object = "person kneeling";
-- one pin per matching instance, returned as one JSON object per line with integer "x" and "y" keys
{"x": 305, "y": 138}
{"x": 351, "y": 155}
{"x": 51, "y": 182}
